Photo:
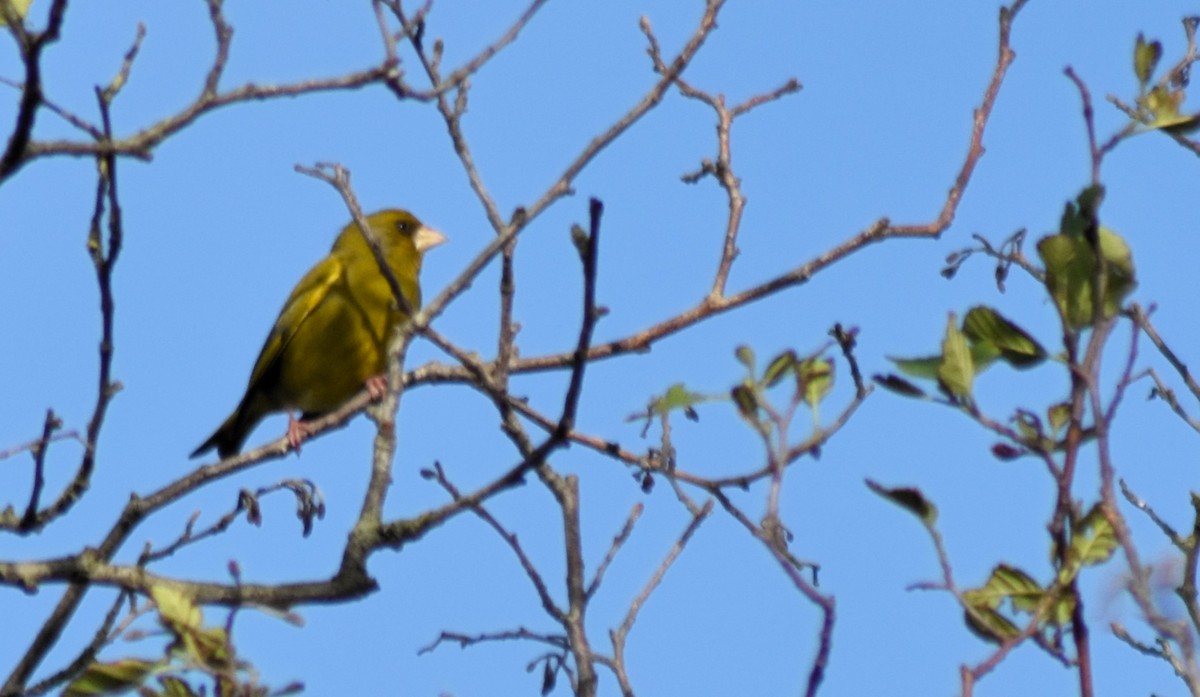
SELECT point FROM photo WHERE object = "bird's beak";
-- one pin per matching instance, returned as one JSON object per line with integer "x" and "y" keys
{"x": 428, "y": 238}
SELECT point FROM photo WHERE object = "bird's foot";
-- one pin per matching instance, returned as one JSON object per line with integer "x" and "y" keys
{"x": 297, "y": 431}
{"x": 377, "y": 386}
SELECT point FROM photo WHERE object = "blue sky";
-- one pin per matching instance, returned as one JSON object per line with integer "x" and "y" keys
{"x": 219, "y": 227}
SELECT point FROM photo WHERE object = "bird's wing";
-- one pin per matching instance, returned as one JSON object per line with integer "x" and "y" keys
{"x": 308, "y": 294}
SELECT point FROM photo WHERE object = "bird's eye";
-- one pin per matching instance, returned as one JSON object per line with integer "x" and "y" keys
{"x": 402, "y": 226}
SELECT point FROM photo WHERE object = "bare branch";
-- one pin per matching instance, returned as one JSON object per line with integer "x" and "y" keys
{"x": 617, "y": 543}
{"x": 621, "y": 633}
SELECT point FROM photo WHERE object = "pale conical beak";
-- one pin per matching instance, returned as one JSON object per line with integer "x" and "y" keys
{"x": 427, "y": 238}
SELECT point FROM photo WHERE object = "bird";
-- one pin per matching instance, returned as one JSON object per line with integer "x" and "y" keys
{"x": 331, "y": 337}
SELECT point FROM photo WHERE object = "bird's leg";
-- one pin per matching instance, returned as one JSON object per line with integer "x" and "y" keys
{"x": 297, "y": 431}
{"x": 377, "y": 386}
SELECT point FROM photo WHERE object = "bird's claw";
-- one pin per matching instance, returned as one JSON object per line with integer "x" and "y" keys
{"x": 377, "y": 386}
{"x": 297, "y": 431}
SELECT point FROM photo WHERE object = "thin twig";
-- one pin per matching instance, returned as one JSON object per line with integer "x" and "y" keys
{"x": 619, "y": 635}
{"x": 51, "y": 424}
{"x": 618, "y": 541}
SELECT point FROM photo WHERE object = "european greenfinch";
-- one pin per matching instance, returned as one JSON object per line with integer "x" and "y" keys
{"x": 331, "y": 337}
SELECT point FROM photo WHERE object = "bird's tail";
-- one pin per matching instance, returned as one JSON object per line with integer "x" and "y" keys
{"x": 230, "y": 436}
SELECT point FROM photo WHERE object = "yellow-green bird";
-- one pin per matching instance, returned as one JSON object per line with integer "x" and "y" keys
{"x": 331, "y": 337}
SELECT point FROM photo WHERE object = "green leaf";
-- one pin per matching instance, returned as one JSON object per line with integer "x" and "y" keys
{"x": 19, "y": 7}
{"x": 1062, "y": 609}
{"x": 676, "y": 397}
{"x": 174, "y": 687}
{"x": 110, "y": 678}
{"x": 910, "y": 499}
{"x": 745, "y": 356}
{"x": 1014, "y": 345}
{"x": 957, "y": 370}
{"x": 1094, "y": 541}
{"x": 989, "y": 625}
{"x": 814, "y": 378}
{"x": 1081, "y": 215}
{"x": 899, "y": 385}
{"x": 918, "y": 367}
{"x": 746, "y": 401}
{"x": 1163, "y": 104}
{"x": 1070, "y": 265}
{"x": 208, "y": 647}
{"x": 982, "y": 355}
{"x": 1119, "y": 259}
{"x": 1029, "y": 435}
{"x": 1059, "y": 415}
{"x": 1006, "y": 583}
{"x": 1181, "y": 125}
{"x": 1029, "y": 427}
{"x": 176, "y": 610}
{"x": 778, "y": 368}
{"x": 1146, "y": 55}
